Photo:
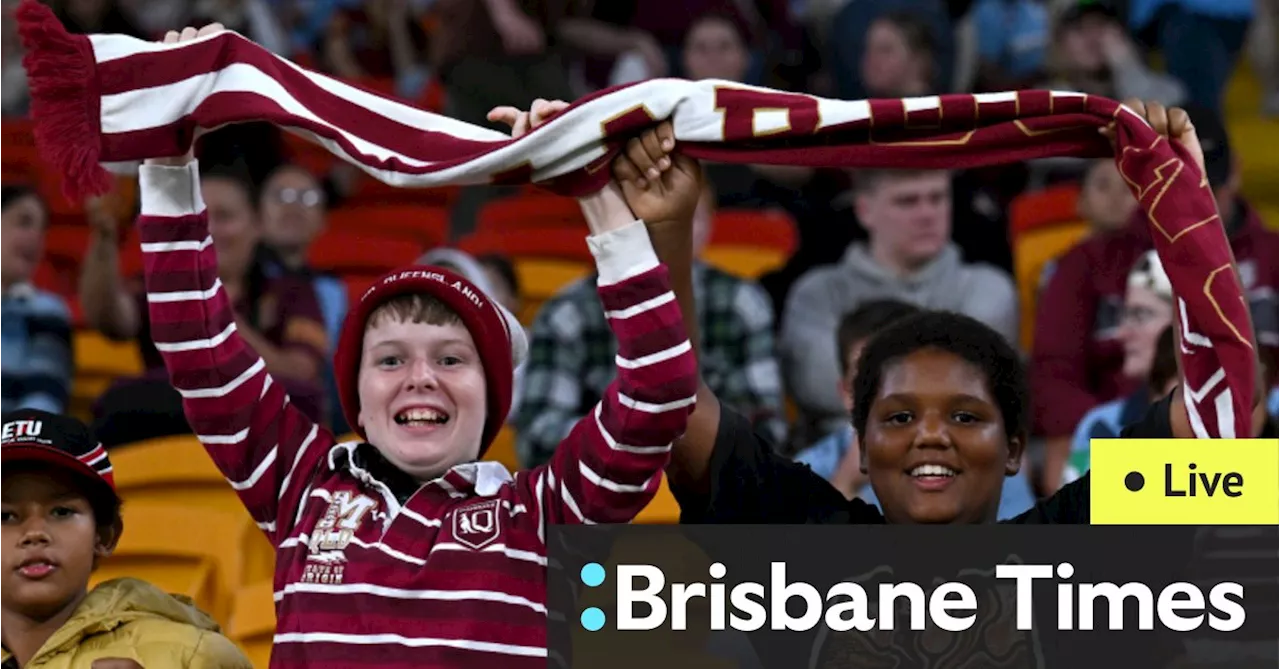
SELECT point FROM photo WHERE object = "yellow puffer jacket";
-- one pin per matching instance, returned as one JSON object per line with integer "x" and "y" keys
{"x": 132, "y": 619}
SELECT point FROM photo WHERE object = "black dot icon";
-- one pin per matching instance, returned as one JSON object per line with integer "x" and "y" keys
{"x": 1134, "y": 481}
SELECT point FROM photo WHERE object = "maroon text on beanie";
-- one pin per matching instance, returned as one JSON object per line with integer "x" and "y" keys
{"x": 500, "y": 340}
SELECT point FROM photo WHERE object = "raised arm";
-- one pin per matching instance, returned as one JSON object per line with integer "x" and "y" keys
{"x": 1218, "y": 357}
{"x": 108, "y": 305}
{"x": 610, "y": 465}
{"x": 263, "y": 445}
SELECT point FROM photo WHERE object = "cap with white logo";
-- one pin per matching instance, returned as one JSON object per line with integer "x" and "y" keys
{"x": 30, "y": 435}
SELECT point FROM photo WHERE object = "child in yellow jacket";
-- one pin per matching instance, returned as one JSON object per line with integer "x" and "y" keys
{"x": 61, "y": 515}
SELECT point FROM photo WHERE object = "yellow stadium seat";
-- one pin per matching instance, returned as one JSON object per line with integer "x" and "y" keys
{"x": 172, "y": 470}
{"x": 748, "y": 262}
{"x": 1270, "y": 214}
{"x": 503, "y": 449}
{"x": 187, "y": 551}
{"x": 98, "y": 363}
{"x": 1033, "y": 250}
{"x": 662, "y": 509}
{"x": 253, "y": 621}
{"x": 95, "y": 355}
{"x": 542, "y": 278}
{"x": 257, "y": 555}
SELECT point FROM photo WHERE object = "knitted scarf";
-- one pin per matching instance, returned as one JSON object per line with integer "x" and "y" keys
{"x": 103, "y": 103}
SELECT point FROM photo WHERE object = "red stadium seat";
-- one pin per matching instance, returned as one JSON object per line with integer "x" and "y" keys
{"x": 1048, "y": 207}
{"x": 771, "y": 229}
{"x": 559, "y": 243}
{"x": 344, "y": 252}
{"x": 426, "y": 226}
{"x": 538, "y": 210}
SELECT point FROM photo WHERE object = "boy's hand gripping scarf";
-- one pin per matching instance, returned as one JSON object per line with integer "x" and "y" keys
{"x": 106, "y": 102}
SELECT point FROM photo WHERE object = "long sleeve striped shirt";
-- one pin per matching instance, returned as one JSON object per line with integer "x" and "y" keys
{"x": 452, "y": 572}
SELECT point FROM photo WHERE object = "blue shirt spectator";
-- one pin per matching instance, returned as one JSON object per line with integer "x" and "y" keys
{"x": 35, "y": 360}
{"x": 1012, "y": 34}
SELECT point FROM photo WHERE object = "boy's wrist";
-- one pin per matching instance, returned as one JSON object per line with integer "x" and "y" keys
{"x": 606, "y": 210}
{"x": 170, "y": 190}
{"x": 622, "y": 252}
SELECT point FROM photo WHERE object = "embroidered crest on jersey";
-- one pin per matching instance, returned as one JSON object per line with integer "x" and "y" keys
{"x": 329, "y": 538}
{"x": 477, "y": 525}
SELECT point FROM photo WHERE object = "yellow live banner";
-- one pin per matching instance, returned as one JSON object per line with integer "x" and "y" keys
{"x": 1184, "y": 481}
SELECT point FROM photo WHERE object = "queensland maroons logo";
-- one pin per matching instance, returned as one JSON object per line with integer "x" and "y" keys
{"x": 477, "y": 525}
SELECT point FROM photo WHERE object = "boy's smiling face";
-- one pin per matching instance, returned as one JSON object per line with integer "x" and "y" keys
{"x": 51, "y": 541}
{"x": 422, "y": 392}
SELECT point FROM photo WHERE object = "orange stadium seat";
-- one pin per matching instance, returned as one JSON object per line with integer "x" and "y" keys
{"x": 745, "y": 262}
{"x": 1048, "y": 207}
{"x": 186, "y": 551}
{"x": 1033, "y": 250}
{"x": 252, "y": 624}
{"x": 425, "y": 225}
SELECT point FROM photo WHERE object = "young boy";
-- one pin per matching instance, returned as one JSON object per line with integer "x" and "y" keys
{"x": 403, "y": 547}
{"x": 61, "y": 515}
{"x": 835, "y": 456}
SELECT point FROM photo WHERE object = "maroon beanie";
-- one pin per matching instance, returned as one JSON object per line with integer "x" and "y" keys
{"x": 484, "y": 319}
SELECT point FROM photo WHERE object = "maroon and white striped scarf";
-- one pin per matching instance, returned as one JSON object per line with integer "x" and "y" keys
{"x": 105, "y": 102}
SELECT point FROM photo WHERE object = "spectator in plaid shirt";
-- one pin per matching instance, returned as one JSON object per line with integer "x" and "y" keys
{"x": 571, "y": 354}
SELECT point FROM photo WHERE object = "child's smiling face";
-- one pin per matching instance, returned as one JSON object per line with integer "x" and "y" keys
{"x": 422, "y": 393}
{"x": 51, "y": 542}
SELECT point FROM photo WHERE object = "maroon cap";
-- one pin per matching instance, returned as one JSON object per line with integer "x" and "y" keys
{"x": 490, "y": 326}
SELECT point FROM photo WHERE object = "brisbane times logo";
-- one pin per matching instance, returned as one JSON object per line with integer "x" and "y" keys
{"x": 643, "y": 599}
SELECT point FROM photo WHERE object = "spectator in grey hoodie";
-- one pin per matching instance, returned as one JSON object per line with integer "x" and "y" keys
{"x": 909, "y": 257}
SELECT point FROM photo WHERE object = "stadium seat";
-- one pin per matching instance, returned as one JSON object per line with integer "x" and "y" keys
{"x": 755, "y": 228}
{"x": 369, "y": 191}
{"x": 96, "y": 355}
{"x": 425, "y": 225}
{"x": 183, "y": 550}
{"x": 503, "y": 449}
{"x": 19, "y": 160}
{"x": 98, "y": 363}
{"x": 257, "y": 556}
{"x": 1045, "y": 208}
{"x": 252, "y": 624}
{"x": 344, "y": 252}
{"x": 542, "y": 278}
{"x": 662, "y": 509}
{"x": 357, "y": 284}
{"x": 744, "y": 262}
{"x": 66, "y": 243}
{"x": 562, "y": 243}
{"x": 173, "y": 471}
{"x": 309, "y": 155}
{"x": 539, "y": 210}
{"x": 1031, "y": 252}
